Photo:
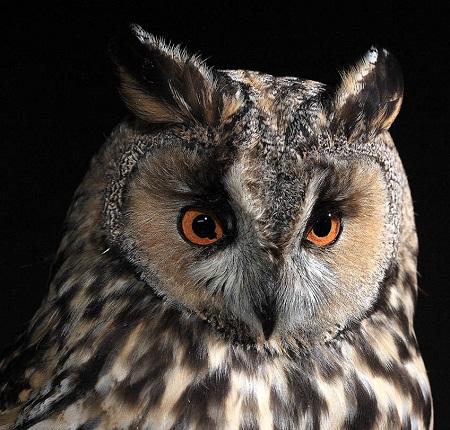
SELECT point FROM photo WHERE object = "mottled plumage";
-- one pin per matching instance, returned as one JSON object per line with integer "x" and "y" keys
{"x": 261, "y": 329}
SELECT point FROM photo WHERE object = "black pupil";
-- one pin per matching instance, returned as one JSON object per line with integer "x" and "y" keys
{"x": 204, "y": 226}
{"x": 323, "y": 226}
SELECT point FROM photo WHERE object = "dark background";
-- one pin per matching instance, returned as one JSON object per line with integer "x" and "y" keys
{"x": 59, "y": 103}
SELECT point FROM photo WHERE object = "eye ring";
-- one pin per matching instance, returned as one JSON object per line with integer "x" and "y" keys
{"x": 325, "y": 230}
{"x": 200, "y": 226}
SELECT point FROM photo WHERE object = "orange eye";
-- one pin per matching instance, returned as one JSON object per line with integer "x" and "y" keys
{"x": 325, "y": 230}
{"x": 201, "y": 227}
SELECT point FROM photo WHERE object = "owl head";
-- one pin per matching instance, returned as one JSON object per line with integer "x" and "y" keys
{"x": 272, "y": 208}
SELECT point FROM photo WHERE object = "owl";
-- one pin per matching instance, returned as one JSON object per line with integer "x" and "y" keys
{"x": 240, "y": 255}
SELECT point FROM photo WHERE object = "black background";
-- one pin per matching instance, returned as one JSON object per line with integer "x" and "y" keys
{"x": 59, "y": 103}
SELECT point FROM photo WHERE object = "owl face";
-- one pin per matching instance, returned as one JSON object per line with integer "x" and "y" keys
{"x": 261, "y": 205}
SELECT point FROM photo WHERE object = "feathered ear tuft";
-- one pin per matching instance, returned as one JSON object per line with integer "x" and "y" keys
{"x": 370, "y": 94}
{"x": 161, "y": 83}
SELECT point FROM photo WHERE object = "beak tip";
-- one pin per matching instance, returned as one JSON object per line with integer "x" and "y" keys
{"x": 268, "y": 330}
{"x": 268, "y": 323}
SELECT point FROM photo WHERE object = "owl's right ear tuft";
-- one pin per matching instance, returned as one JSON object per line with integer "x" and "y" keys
{"x": 162, "y": 83}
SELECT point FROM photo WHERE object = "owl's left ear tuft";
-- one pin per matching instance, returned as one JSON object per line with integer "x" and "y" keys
{"x": 370, "y": 93}
{"x": 162, "y": 83}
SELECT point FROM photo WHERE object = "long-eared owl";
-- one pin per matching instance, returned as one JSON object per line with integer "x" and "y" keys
{"x": 240, "y": 255}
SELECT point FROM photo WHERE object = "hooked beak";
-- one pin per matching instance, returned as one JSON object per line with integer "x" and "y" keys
{"x": 266, "y": 314}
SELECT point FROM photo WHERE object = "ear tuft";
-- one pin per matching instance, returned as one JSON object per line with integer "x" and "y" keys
{"x": 370, "y": 94}
{"x": 162, "y": 83}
